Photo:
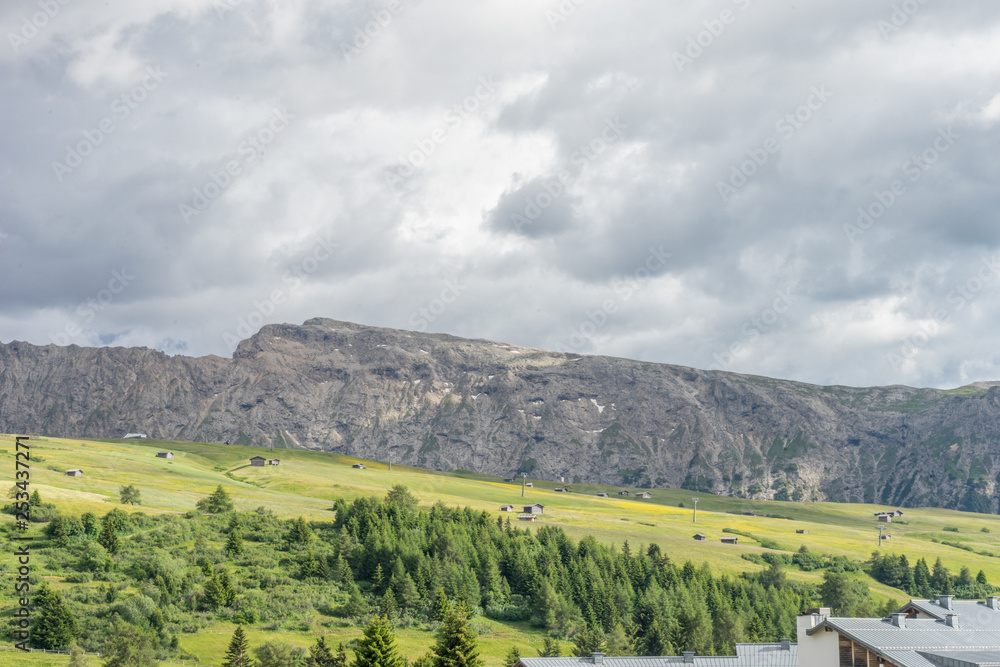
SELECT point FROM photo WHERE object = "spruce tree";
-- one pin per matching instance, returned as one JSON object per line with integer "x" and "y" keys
{"x": 56, "y": 530}
{"x": 234, "y": 544}
{"x": 217, "y": 503}
{"x": 109, "y": 538}
{"x": 442, "y": 607}
{"x": 941, "y": 578}
{"x": 456, "y": 644}
{"x": 238, "y": 653}
{"x": 550, "y": 648}
{"x": 356, "y": 605}
{"x": 378, "y": 647}
{"x": 228, "y": 594}
{"x": 340, "y": 660}
{"x": 388, "y": 606}
{"x": 981, "y": 578}
{"x": 922, "y": 579}
{"x": 300, "y": 532}
{"x": 320, "y": 656}
{"x": 590, "y": 640}
{"x": 54, "y": 625}
{"x": 512, "y": 657}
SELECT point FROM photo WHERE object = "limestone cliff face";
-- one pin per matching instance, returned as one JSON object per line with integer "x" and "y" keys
{"x": 444, "y": 402}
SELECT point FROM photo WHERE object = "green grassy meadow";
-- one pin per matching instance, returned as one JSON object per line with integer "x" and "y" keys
{"x": 306, "y": 484}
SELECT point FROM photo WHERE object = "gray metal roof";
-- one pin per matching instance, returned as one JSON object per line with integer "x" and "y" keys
{"x": 974, "y": 641}
{"x": 971, "y": 613}
{"x": 964, "y": 658}
{"x": 747, "y": 655}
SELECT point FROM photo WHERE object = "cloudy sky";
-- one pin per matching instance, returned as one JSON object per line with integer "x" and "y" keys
{"x": 800, "y": 191}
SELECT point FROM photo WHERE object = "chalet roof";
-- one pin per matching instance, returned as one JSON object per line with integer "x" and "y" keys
{"x": 747, "y": 655}
{"x": 254, "y": 458}
{"x": 926, "y": 639}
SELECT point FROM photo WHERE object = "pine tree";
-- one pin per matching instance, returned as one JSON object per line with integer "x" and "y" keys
{"x": 54, "y": 625}
{"x": 512, "y": 657}
{"x": 456, "y": 644}
{"x": 109, "y": 538}
{"x": 981, "y": 578}
{"x": 238, "y": 653}
{"x": 36, "y": 499}
{"x": 378, "y": 647}
{"x": 320, "y": 656}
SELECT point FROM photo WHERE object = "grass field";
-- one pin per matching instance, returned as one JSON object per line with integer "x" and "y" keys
{"x": 306, "y": 483}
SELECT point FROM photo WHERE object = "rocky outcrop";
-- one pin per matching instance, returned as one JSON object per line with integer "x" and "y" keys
{"x": 444, "y": 402}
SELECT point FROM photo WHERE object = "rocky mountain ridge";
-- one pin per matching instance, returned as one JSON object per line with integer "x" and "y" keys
{"x": 443, "y": 402}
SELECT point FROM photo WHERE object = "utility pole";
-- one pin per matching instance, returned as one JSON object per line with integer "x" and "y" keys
{"x": 695, "y": 519}
{"x": 390, "y": 461}
{"x": 880, "y": 529}
{"x": 524, "y": 478}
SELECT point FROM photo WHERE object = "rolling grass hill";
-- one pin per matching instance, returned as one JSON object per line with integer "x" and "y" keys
{"x": 306, "y": 483}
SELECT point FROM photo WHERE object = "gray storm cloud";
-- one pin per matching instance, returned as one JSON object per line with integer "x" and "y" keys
{"x": 770, "y": 188}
